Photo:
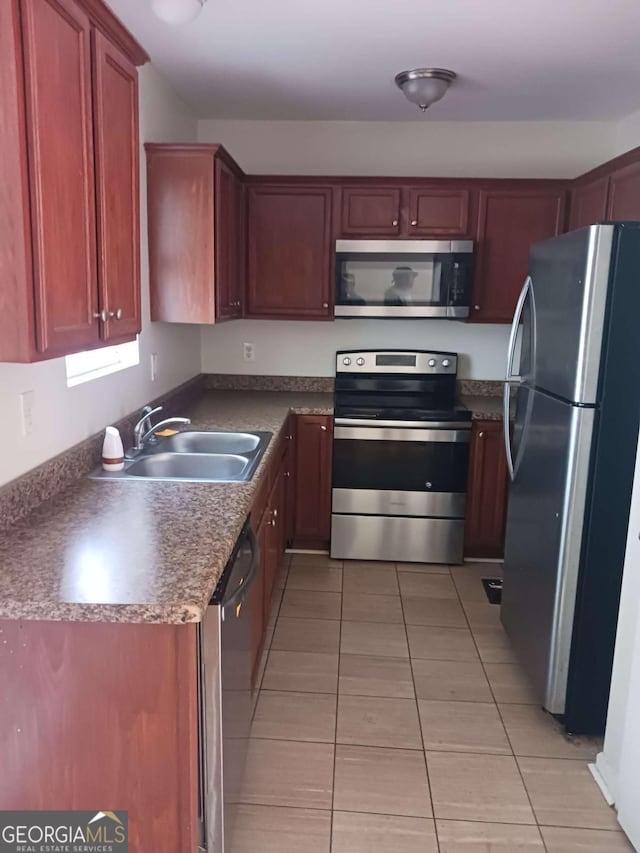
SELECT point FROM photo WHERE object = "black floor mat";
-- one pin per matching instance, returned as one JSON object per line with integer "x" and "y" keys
{"x": 493, "y": 589}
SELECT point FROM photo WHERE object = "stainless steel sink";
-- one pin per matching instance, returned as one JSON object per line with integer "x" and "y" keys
{"x": 210, "y": 442}
{"x": 196, "y": 456}
{"x": 204, "y": 467}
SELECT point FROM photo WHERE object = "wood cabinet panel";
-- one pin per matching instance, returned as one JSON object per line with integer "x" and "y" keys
{"x": 624, "y": 194}
{"x": 115, "y": 87}
{"x": 488, "y": 490}
{"x": 438, "y": 212}
{"x": 588, "y": 203}
{"x": 289, "y": 251}
{"x": 314, "y": 435}
{"x": 103, "y": 713}
{"x": 227, "y": 249}
{"x": 57, "y": 54}
{"x": 257, "y": 599}
{"x": 371, "y": 211}
{"x": 509, "y": 221}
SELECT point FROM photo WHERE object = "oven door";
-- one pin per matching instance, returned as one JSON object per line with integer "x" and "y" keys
{"x": 417, "y": 278}
{"x": 399, "y": 493}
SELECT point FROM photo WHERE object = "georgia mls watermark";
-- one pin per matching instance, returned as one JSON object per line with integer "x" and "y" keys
{"x": 64, "y": 832}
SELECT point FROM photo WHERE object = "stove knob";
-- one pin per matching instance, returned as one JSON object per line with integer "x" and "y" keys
{"x": 432, "y": 362}
{"x": 346, "y": 361}
{"x": 445, "y": 362}
{"x": 360, "y": 361}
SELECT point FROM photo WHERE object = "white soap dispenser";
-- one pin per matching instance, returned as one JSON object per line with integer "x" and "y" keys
{"x": 112, "y": 450}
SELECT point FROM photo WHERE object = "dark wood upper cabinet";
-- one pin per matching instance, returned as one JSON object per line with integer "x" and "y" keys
{"x": 115, "y": 85}
{"x": 69, "y": 249}
{"x": 370, "y": 211}
{"x": 314, "y": 436}
{"x": 509, "y": 221}
{"x": 437, "y": 212}
{"x": 289, "y": 251}
{"x": 194, "y": 228}
{"x": 588, "y": 203}
{"x": 624, "y": 193}
{"x": 487, "y": 492}
{"x": 57, "y": 55}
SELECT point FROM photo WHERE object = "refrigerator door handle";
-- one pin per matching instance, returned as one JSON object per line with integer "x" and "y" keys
{"x": 526, "y": 287}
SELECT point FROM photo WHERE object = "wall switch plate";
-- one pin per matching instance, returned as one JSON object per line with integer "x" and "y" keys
{"x": 248, "y": 352}
{"x": 154, "y": 366}
{"x": 26, "y": 412}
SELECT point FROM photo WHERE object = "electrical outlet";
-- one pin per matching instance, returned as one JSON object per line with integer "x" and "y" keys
{"x": 154, "y": 366}
{"x": 248, "y": 352}
{"x": 26, "y": 412}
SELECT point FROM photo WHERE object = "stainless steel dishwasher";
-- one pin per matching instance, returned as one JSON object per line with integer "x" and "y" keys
{"x": 224, "y": 694}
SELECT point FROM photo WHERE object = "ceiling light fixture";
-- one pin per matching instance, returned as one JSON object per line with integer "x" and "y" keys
{"x": 425, "y": 86}
{"x": 177, "y": 11}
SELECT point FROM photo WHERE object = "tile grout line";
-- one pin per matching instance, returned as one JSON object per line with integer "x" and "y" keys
{"x": 415, "y": 696}
{"x": 335, "y": 737}
{"x": 513, "y": 755}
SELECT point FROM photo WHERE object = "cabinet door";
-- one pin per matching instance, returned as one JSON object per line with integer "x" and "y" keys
{"x": 509, "y": 222}
{"x": 371, "y": 211}
{"x": 313, "y": 481}
{"x": 117, "y": 150}
{"x": 290, "y": 490}
{"x": 624, "y": 195}
{"x": 487, "y": 495}
{"x": 226, "y": 241}
{"x": 289, "y": 251}
{"x": 256, "y": 600}
{"x": 57, "y": 57}
{"x": 438, "y": 212}
{"x": 239, "y": 279}
{"x": 588, "y": 203}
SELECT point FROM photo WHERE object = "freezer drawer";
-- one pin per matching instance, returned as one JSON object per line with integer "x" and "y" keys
{"x": 545, "y": 522}
{"x": 421, "y": 540}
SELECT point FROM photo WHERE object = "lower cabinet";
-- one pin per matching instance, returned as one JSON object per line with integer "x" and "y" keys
{"x": 487, "y": 492}
{"x": 313, "y": 446}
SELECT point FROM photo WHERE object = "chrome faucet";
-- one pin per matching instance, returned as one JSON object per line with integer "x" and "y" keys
{"x": 144, "y": 430}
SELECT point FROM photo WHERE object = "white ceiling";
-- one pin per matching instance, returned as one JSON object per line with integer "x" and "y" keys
{"x": 336, "y": 59}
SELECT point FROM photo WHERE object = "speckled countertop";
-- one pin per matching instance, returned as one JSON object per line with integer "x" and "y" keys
{"x": 136, "y": 551}
{"x": 483, "y": 408}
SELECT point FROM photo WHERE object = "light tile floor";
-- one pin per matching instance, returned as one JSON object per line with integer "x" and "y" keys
{"x": 392, "y": 717}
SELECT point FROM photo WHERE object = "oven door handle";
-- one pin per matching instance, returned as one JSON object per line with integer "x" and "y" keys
{"x": 421, "y": 436}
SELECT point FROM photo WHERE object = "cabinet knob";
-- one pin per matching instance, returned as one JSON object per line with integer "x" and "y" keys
{"x": 101, "y": 315}
{"x": 323, "y": 428}
{"x": 481, "y": 435}
{"x": 325, "y": 304}
{"x": 414, "y": 222}
{"x": 476, "y": 307}
{"x": 395, "y": 223}
{"x": 115, "y": 315}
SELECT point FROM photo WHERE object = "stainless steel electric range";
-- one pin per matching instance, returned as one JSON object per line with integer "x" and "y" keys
{"x": 400, "y": 457}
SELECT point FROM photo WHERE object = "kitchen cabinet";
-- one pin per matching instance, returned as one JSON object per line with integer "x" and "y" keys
{"x": 195, "y": 231}
{"x": 314, "y": 437}
{"x": 624, "y": 193}
{"x": 487, "y": 492}
{"x": 370, "y": 211}
{"x": 588, "y": 203}
{"x": 69, "y": 179}
{"x": 423, "y": 210}
{"x": 509, "y": 221}
{"x": 289, "y": 251}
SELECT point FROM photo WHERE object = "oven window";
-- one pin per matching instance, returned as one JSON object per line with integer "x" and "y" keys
{"x": 400, "y": 465}
{"x": 392, "y": 282}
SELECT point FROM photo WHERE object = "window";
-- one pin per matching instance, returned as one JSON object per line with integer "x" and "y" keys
{"x": 84, "y": 366}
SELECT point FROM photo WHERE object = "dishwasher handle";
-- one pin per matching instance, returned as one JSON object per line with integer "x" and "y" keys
{"x": 238, "y": 595}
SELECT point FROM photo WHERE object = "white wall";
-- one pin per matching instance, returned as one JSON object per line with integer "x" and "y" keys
{"x": 628, "y": 133}
{"x": 308, "y": 349}
{"x": 545, "y": 149}
{"x": 63, "y": 416}
{"x": 608, "y": 761}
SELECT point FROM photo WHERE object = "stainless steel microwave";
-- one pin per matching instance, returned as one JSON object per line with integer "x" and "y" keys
{"x": 403, "y": 278}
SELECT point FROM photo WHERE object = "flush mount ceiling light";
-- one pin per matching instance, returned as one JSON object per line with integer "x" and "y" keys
{"x": 177, "y": 11}
{"x": 425, "y": 86}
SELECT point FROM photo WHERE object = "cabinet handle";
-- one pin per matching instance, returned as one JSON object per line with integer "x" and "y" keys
{"x": 414, "y": 221}
{"x": 275, "y": 513}
{"x": 395, "y": 223}
{"x": 101, "y": 315}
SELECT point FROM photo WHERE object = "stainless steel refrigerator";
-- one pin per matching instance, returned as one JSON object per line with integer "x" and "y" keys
{"x": 571, "y": 454}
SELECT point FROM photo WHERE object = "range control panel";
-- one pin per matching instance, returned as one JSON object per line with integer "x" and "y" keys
{"x": 396, "y": 361}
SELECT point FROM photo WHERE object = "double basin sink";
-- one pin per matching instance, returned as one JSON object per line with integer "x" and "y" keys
{"x": 204, "y": 457}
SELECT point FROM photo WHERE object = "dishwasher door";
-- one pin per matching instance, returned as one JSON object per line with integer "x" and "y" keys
{"x": 226, "y": 702}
